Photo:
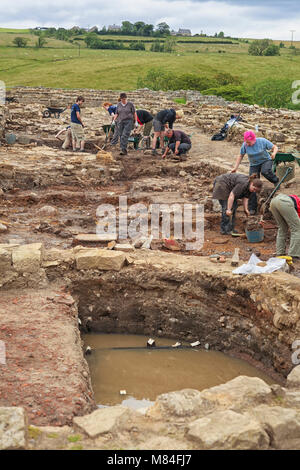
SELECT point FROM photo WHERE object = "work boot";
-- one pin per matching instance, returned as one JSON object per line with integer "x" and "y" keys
{"x": 123, "y": 152}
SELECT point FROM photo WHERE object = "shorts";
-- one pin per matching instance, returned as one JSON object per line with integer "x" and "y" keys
{"x": 158, "y": 126}
{"x": 77, "y": 131}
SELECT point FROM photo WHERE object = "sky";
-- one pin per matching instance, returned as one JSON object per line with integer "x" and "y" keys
{"x": 273, "y": 19}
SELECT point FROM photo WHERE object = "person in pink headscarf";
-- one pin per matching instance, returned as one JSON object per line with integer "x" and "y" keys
{"x": 260, "y": 153}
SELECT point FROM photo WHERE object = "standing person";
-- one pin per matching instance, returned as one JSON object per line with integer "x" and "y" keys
{"x": 179, "y": 142}
{"x": 286, "y": 212}
{"x": 77, "y": 124}
{"x": 228, "y": 188}
{"x": 125, "y": 119}
{"x": 163, "y": 119}
{"x": 260, "y": 161}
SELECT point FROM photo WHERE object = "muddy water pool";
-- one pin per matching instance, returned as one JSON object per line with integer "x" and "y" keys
{"x": 124, "y": 363}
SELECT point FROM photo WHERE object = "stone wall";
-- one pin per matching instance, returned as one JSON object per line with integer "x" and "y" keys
{"x": 207, "y": 113}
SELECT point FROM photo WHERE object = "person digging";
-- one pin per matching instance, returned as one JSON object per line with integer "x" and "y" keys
{"x": 179, "y": 143}
{"x": 230, "y": 187}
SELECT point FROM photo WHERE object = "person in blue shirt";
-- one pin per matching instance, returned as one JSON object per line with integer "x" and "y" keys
{"x": 261, "y": 161}
{"x": 77, "y": 125}
{"x": 112, "y": 111}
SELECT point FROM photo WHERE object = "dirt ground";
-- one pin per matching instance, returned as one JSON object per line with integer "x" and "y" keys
{"x": 32, "y": 322}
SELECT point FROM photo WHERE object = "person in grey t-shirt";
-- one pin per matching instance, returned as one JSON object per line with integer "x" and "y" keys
{"x": 125, "y": 119}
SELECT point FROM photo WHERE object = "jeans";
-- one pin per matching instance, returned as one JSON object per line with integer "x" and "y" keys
{"x": 227, "y": 223}
{"x": 183, "y": 148}
{"x": 266, "y": 170}
{"x": 115, "y": 138}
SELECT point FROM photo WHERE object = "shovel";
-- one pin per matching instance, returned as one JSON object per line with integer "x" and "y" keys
{"x": 265, "y": 204}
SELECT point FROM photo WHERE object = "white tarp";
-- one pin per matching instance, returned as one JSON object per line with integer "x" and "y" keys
{"x": 273, "y": 264}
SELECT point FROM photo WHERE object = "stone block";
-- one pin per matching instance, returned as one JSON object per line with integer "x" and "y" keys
{"x": 225, "y": 430}
{"x": 100, "y": 259}
{"x": 293, "y": 379}
{"x": 27, "y": 258}
{"x": 280, "y": 423}
{"x": 13, "y": 428}
{"x": 103, "y": 420}
{"x": 238, "y": 394}
{"x": 5, "y": 260}
{"x": 59, "y": 256}
{"x": 181, "y": 404}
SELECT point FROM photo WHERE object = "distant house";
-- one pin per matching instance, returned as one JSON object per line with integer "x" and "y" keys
{"x": 184, "y": 32}
{"x": 173, "y": 33}
{"x": 114, "y": 27}
{"x": 94, "y": 29}
{"x": 75, "y": 28}
{"x": 41, "y": 28}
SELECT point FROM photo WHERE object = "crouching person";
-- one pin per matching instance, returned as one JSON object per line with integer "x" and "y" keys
{"x": 179, "y": 142}
{"x": 230, "y": 187}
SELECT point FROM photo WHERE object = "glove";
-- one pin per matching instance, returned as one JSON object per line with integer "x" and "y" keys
{"x": 136, "y": 124}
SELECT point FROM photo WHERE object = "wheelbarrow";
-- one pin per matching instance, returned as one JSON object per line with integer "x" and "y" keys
{"x": 135, "y": 139}
{"x": 285, "y": 158}
{"x": 53, "y": 111}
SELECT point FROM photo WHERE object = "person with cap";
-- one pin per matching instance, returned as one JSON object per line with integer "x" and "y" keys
{"x": 179, "y": 142}
{"x": 125, "y": 118}
{"x": 286, "y": 211}
{"x": 257, "y": 149}
{"x": 163, "y": 119}
{"x": 230, "y": 187}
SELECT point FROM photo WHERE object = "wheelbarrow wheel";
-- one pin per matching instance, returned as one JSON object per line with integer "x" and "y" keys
{"x": 46, "y": 114}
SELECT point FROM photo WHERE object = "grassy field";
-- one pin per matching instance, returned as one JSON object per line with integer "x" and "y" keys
{"x": 59, "y": 64}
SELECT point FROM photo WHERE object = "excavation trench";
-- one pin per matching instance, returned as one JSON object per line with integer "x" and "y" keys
{"x": 180, "y": 296}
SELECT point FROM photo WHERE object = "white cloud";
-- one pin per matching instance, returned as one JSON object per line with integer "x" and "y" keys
{"x": 255, "y": 20}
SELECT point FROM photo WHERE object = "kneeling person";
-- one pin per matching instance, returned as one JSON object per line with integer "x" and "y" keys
{"x": 179, "y": 142}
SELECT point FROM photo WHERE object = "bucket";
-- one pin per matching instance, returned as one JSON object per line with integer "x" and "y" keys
{"x": 255, "y": 236}
{"x": 281, "y": 171}
{"x": 10, "y": 139}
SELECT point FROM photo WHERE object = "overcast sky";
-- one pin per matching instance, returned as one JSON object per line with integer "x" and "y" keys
{"x": 254, "y": 18}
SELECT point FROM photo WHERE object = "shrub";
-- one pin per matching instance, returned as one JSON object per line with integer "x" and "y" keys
{"x": 157, "y": 46}
{"x": 20, "y": 42}
{"x": 224, "y": 78}
{"x": 231, "y": 93}
{"x": 274, "y": 93}
{"x": 137, "y": 46}
{"x": 272, "y": 50}
{"x": 160, "y": 79}
{"x": 258, "y": 47}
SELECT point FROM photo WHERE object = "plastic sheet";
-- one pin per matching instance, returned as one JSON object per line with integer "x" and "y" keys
{"x": 273, "y": 264}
